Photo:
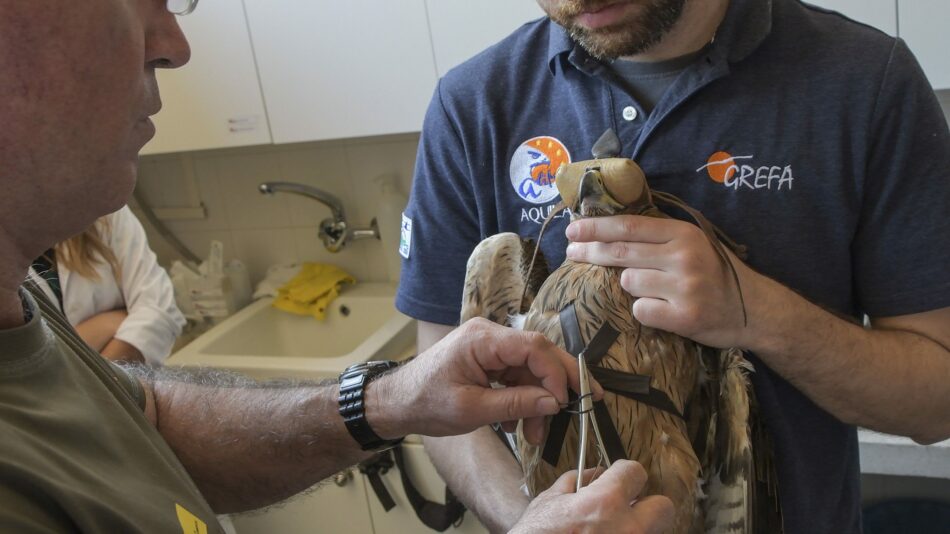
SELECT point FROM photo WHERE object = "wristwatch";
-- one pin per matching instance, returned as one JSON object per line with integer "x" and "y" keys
{"x": 353, "y": 382}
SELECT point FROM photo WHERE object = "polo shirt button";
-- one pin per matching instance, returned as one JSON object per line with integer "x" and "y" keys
{"x": 630, "y": 113}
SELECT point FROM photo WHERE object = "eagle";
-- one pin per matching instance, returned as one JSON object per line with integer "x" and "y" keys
{"x": 685, "y": 411}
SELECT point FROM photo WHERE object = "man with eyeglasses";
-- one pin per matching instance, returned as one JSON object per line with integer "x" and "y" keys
{"x": 91, "y": 447}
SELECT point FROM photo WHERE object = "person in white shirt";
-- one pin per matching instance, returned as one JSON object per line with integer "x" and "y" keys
{"x": 109, "y": 285}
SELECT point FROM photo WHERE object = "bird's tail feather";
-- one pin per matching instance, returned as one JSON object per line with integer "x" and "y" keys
{"x": 727, "y": 507}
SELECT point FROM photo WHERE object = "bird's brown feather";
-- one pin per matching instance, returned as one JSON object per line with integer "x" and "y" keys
{"x": 655, "y": 438}
{"x": 718, "y": 473}
{"x": 497, "y": 275}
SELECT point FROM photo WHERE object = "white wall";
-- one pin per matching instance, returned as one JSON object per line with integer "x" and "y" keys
{"x": 264, "y": 230}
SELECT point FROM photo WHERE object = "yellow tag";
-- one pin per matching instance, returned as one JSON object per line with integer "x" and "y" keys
{"x": 189, "y": 523}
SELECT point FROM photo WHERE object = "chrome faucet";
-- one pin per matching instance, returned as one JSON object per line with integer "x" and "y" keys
{"x": 334, "y": 231}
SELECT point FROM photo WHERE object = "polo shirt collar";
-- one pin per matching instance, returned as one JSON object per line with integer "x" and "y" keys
{"x": 560, "y": 45}
{"x": 747, "y": 23}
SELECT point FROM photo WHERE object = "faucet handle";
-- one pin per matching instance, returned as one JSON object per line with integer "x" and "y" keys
{"x": 333, "y": 234}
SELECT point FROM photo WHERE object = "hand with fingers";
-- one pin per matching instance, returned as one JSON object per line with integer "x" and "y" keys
{"x": 680, "y": 282}
{"x": 608, "y": 503}
{"x": 447, "y": 390}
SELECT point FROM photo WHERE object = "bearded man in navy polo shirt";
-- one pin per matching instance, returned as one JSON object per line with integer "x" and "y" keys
{"x": 812, "y": 139}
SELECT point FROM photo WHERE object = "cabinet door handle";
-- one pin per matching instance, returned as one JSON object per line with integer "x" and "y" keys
{"x": 243, "y": 123}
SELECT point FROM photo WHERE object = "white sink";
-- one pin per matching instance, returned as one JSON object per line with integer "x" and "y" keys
{"x": 261, "y": 341}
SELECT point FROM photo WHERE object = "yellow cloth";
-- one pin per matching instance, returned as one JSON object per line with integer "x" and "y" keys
{"x": 312, "y": 290}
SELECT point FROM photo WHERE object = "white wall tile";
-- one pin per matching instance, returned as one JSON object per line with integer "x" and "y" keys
{"x": 162, "y": 181}
{"x": 166, "y": 254}
{"x": 261, "y": 248}
{"x": 211, "y": 195}
{"x": 266, "y": 230}
{"x": 369, "y": 162}
{"x": 239, "y": 177}
{"x": 198, "y": 241}
{"x": 377, "y": 271}
{"x": 321, "y": 167}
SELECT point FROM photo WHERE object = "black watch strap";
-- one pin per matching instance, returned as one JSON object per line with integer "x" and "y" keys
{"x": 353, "y": 382}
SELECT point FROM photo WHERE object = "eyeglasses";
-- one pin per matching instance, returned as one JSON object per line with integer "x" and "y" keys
{"x": 181, "y": 7}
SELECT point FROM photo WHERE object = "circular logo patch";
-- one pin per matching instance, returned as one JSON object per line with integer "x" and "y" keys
{"x": 534, "y": 166}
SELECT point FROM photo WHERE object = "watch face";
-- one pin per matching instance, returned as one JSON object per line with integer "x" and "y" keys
{"x": 381, "y": 365}
{"x": 356, "y": 373}
{"x": 354, "y": 368}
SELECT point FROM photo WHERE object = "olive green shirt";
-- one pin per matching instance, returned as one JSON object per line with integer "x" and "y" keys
{"x": 76, "y": 451}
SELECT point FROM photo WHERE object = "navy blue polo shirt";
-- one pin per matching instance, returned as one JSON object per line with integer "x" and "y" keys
{"x": 812, "y": 139}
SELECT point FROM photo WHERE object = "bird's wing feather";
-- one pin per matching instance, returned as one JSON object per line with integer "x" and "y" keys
{"x": 722, "y": 402}
{"x": 741, "y": 484}
{"x": 766, "y": 505}
{"x": 496, "y": 278}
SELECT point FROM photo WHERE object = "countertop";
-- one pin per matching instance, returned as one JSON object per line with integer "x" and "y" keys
{"x": 883, "y": 454}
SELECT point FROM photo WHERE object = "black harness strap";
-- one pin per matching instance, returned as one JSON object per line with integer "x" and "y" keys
{"x": 378, "y": 465}
{"x": 571, "y": 331}
{"x": 599, "y": 345}
{"x": 438, "y": 517}
{"x": 612, "y": 444}
{"x": 594, "y": 352}
{"x": 556, "y": 432}
{"x": 635, "y": 387}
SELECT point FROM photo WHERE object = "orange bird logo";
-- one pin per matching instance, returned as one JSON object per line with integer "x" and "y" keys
{"x": 534, "y": 166}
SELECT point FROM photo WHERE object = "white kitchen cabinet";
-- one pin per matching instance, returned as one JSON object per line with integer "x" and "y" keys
{"x": 329, "y": 508}
{"x": 342, "y": 508}
{"x": 215, "y": 101}
{"x": 463, "y": 28}
{"x": 332, "y": 69}
{"x": 882, "y": 14}
{"x": 402, "y": 518}
{"x": 923, "y": 24}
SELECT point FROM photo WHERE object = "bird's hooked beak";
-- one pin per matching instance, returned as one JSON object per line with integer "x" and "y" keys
{"x": 593, "y": 200}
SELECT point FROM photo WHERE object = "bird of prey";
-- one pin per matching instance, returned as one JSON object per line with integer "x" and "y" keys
{"x": 685, "y": 411}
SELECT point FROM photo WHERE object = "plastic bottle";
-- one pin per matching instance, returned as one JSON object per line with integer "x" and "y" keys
{"x": 389, "y": 209}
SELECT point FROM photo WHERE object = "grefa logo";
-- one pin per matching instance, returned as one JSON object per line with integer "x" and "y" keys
{"x": 738, "y": 172}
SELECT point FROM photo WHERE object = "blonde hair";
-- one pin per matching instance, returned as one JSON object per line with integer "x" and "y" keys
{"x": 83, "y": 252}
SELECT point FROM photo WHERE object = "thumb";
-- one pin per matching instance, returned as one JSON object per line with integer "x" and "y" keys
{"x": 564, "y": 484}
{"x": 567, "y": 482}
{"x": 517, "y": 402}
